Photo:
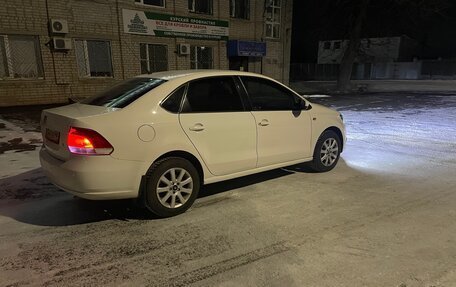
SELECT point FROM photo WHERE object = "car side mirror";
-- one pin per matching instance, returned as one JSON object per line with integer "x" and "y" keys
{"x": 300, "y": 105}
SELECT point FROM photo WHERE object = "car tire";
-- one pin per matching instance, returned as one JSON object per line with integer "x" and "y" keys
{"x": 327, "y": 151}
{"x": 172, "y": 185}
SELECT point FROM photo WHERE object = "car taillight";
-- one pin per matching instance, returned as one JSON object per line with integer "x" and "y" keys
{"x": 88, "y": 142}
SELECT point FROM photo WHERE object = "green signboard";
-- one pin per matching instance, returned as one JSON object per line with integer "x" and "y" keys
{"x": 164, "y": 25}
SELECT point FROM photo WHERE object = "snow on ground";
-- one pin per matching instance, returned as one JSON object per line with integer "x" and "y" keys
{"x": 385, "y": 216}
{"x": 316, "y": 96}
{"x": 20, "y": 173}
{"x": 383, "y": 135}
{"x": 18, "y": 148}
{"x": 420, "y": 125}
{"x": 15, "y": 138}
{"x": 380, "y": 126}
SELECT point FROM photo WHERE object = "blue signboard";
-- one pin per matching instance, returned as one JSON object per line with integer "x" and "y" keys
{"x": 246, "y": 48}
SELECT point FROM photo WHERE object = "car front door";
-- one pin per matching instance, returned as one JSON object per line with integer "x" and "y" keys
{"x": 282, "y": 122}
{"x": 215, "y": 120}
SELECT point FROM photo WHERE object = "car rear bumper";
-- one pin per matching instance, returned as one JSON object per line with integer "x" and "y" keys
{"x": 93, "y": 177}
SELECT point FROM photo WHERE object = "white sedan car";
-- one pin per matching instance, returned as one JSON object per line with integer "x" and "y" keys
{"x": 159, "y": 137}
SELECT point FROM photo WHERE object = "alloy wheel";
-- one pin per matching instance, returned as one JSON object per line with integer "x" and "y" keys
{"x": 329, "y": 152}
{"x": 174, "y": 187}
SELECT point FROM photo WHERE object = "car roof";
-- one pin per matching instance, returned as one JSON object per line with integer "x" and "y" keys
{"x": 195, "y": 74}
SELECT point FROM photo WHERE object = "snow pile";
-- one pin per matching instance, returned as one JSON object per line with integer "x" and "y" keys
{"x": 316, "y": 96}
{"x": 13, "y": 138}
{"x": 18, "y": 148}
{"x": 20, "y": 174}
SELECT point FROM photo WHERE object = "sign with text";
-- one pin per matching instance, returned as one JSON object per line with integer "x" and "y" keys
{"x": 165, "y": 25}
{"x": 246, "y": 48}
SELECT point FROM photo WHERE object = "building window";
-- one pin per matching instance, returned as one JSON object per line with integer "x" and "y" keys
{"x": 200, "y": 6}
{"x": 240, "y": 9}
{"x": 94, "y": 58}
{"x": 327, "y": 45}
{"x": 336, "y": 45}
{"x": 154, "y": 58}
{"x": 201, "y": 57}
{"x": 159, "y": 3}
{"x": 20, "y": 57}
{"x": 273, "y": 9}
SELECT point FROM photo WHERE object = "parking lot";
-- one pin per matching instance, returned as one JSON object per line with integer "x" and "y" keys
{"x": 385, "y": 216}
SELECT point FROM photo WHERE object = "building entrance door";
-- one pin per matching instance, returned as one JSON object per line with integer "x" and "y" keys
{"x": 239, "y": 63}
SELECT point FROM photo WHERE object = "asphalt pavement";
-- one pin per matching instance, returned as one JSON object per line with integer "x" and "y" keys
{"x": 385, "y": 216}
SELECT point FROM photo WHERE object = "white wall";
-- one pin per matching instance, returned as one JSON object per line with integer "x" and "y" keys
{"x": 372, "y": 50}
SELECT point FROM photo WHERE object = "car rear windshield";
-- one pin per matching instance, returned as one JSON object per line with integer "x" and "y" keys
{"x": 124, "y": 93}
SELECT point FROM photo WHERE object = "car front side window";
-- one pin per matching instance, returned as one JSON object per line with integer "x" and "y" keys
{"x": 266, "y": 95}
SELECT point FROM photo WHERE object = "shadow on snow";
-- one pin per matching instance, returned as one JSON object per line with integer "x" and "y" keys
{"x": 30, "y": 198}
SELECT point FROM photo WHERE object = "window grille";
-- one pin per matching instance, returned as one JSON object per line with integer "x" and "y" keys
{"x": 200, "y": 6}
{"x": 273, "y": 16}
{"x": 93, "y": 58}
{"x": 159, "y": 3}
{"x": 201, "y": 57}
{"x": 240, "y": 9}
{"x": 20, "y": 57}
{"x": 154, "y": 58}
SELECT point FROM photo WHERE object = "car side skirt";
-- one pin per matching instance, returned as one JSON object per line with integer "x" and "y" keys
{"x": 214, "y": 179}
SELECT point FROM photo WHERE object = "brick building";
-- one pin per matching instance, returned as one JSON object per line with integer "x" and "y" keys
{"x": 52, "y": 50}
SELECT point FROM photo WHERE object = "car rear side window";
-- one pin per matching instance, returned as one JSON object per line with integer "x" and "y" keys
{"x": 124, "y": 93}
{"x": 211, "y": 95}
{"x": 266, "y": 95}
{"x": 173, "y": 102}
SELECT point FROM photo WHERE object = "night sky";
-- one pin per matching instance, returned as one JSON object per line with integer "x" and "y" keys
{"x": 315, "y": 20}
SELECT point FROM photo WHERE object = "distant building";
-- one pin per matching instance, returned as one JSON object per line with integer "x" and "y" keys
{"x": 384, "y": 58}
{"x": 53, "y": 50}
{"x": 372, "y": 50}
{"x": 378, "y": 58}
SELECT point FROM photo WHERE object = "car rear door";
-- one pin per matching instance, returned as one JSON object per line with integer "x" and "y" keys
{"x": 283, "y": 125}
{"x": 215, "y": 120}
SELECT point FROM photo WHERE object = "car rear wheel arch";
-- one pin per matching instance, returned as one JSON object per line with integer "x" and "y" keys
{"x": 185, "y": 155}
{"x": 170, "y": 186}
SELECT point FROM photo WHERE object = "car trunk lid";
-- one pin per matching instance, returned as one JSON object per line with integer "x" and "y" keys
{"x": 56, "y": 123}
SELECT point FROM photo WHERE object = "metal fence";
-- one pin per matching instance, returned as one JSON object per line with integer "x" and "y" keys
{"x": 309, "y": 71}
{"x": 438, "y": 70}
{"x": 376, "y": 71}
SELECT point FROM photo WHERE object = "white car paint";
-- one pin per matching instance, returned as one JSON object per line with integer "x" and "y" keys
{"x": 282, "y": 136}
{"x": 246, "y": 146}
{"x": 210, "y": 134}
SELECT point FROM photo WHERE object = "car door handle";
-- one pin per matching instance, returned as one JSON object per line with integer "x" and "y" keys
{"x": 264, "y": 123}
{"x": 197, "y": 128}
